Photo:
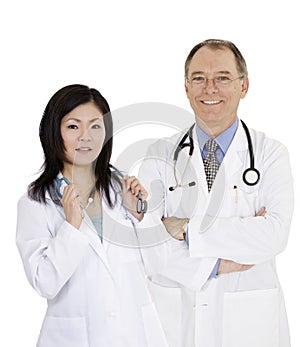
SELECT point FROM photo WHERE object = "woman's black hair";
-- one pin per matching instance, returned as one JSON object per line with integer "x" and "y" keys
{"x": 62, "y": 102}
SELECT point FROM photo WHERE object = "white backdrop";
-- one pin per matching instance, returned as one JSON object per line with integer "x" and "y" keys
{"x": 132, "y": 51}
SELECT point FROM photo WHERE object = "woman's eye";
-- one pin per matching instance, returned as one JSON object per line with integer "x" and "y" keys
{"x": 72, "y": 126}
{"x": 96, "y": 126}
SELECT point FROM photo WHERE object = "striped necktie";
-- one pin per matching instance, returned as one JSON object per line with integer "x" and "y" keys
{"x": 211, "y": 164}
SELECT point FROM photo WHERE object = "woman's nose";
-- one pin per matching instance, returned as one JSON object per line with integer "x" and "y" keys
{"x": 85, "y": 136}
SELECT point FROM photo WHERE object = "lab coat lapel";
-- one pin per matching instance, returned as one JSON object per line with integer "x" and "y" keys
{"x": 88, "y": 228}
{"x": 235, "y": 157}
{"x": 232, "y": 165}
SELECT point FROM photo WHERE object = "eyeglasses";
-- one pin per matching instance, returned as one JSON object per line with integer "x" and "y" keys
{"x": 218, "y": 81}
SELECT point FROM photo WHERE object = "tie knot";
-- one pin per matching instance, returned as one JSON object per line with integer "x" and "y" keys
{"x": 211, "y": 146}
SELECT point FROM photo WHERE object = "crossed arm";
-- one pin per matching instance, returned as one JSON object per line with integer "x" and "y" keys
{"x": 176, "y": 227}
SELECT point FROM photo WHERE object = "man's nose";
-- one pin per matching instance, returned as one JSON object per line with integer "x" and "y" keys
{"x": 210, "y": 85}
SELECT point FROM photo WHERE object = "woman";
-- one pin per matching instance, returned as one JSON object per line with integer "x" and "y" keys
{"x": 95, "y": 289}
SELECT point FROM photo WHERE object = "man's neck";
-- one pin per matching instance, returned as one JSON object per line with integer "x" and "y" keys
{"x": 214, "y": 129}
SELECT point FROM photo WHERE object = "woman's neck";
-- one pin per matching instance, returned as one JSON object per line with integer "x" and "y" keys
{"x": 82, "y": 176}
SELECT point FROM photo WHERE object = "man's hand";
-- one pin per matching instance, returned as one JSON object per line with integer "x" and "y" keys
{"x": 176, "y": 227}
{"x": 261, "y": 212}
{"x": 227, "y": 266}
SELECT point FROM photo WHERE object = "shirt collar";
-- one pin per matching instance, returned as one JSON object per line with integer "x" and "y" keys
{"x": 223, "y": 140}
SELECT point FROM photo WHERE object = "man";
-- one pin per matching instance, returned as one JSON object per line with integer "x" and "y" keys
{"x": 221, "y": 194}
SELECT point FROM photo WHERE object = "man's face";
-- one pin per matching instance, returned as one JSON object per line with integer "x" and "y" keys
{"x": 215, "y": 102}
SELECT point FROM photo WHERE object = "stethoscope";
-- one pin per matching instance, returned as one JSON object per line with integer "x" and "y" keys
{"x": 141, "y": 206}
{"x": 251, "y": 175}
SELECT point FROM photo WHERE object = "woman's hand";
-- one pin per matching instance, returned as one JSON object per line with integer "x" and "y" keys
{"x": 71, "y": 205}
{"x": 130, "y": 188}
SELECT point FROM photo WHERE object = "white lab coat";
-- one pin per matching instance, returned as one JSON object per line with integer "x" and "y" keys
{"x": 243, "y": 309}
{"x": 96, "y": 292}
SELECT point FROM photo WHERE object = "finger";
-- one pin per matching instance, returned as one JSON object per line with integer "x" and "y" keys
{"x": 181, "y": 235}
{"x": 135, "y": 186}
{"x": 127, "y": 182}
{"x": 144, "y": 193}
{"x": 261, "y": 212}
{"x": 246, "y": 267}
{"x": 66, "y": 193}
{"x": 70, "y": 193}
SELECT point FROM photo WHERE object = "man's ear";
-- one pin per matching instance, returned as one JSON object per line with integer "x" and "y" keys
{"x": 245, "y": 86}
{"x": 186, "y": 88}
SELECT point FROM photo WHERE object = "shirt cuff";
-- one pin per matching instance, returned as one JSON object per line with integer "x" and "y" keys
{"x": 214, "y": 272}
{"x": 187, "y": 236}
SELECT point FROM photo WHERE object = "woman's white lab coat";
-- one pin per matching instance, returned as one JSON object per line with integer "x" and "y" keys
{"x": 96, "y": 292}
{"x": 242, "y": 309}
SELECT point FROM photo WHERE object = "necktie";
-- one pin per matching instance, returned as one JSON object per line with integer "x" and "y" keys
{"x": 211, "y": 164}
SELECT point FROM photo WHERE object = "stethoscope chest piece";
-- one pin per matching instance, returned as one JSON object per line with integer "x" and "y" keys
{"x": 251, "y": 176}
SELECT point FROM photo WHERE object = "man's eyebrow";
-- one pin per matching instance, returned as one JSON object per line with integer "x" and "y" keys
{"x": 224, "y": 72}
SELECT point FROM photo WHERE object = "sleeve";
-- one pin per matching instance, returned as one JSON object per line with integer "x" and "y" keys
{"x": 214, "y": 272}
{"x": 252, "y": 240}
{"x": 49, "y": 257}
{"x": 165, "y": 258}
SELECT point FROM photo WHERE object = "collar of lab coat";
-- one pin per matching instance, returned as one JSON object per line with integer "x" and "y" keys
{"x": 231, "y": 164}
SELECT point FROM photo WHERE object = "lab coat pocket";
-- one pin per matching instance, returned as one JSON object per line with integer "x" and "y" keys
{"x": 244, "y": 202}
{"x": 155, "y": 336}
{"x": 250, "y": 318}
{"x": 63, "y": 332}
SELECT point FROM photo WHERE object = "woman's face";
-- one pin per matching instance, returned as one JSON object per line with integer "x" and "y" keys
{"x": 83, "y": 133}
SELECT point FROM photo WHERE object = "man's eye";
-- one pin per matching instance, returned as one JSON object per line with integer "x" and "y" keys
{"x": 222, "y": 79}
{"x": 198, "y": 79}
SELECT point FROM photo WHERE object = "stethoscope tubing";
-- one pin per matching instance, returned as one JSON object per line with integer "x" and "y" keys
{"x": 248, "y": 172}
{"x": 141, "y": 206}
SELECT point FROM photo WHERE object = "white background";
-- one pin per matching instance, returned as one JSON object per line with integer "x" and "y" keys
{"x": 132, "y": 51}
